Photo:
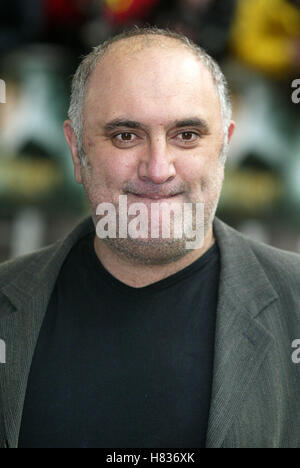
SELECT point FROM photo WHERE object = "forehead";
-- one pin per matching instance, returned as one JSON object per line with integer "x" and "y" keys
{"x": 150, "y": 75}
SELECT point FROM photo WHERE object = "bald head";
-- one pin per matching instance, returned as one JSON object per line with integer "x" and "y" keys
{"x": 147, "y": 66}
{"x": 133, "y": 44}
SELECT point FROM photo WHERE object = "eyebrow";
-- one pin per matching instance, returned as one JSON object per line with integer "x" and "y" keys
{"x": 189, "y": 122}
{"x": 193, "y": 122}
{"x": 117, "y": 123}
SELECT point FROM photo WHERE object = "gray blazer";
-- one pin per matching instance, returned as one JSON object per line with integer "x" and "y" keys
{"x": 256, "y": 386}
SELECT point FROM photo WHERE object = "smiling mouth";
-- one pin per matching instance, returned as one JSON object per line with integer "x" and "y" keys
{"x": 155, "y": 196}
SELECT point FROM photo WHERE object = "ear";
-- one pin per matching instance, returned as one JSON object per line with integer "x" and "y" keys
{"x": 72, "y": 143}
{"x": 231, "y": 130}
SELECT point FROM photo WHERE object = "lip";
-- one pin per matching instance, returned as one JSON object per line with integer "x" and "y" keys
{"x": 155, "y": 197}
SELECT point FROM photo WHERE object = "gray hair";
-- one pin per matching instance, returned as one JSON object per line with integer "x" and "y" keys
{"x": 89, "y": 63}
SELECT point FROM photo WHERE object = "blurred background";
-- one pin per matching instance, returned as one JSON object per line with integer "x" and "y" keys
{"x": 257, "y": 43}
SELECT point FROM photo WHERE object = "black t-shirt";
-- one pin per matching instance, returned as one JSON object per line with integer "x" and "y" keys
{"x": 123, "y": 367}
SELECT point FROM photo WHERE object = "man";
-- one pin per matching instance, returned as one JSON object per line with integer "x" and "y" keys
{"x": 141, "y": 341}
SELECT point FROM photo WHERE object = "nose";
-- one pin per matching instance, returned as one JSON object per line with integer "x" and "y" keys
{"x": 157, "y": 164}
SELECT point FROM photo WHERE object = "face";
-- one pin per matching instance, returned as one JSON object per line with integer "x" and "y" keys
{"x": 153, "y": 131}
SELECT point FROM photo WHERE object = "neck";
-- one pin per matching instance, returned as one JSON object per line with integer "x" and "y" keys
{"x": 139, "y": 276}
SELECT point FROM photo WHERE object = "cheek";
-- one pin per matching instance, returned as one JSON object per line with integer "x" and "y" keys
{"x": 106, "y": 176}
{"x": 116, "y": 172}
{"x": 193, "y": 169}
{"x": 204, "y": 175}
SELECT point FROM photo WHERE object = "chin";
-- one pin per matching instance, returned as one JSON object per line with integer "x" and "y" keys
{"x": 149, "y": 251}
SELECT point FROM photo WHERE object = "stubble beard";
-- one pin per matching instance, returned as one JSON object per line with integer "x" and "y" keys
{"x": 161, "y": 251}
{"x": 150, "y": 251}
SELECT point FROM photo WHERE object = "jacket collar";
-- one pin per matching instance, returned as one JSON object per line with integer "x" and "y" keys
{"x": 241, "y": 341}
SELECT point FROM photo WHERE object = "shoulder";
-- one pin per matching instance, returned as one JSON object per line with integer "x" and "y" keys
{"x": 45, "y": 259}
{"x": 235, "y": 241}
{"x": 280, "y": 260}
{"x": 246, "y": 255}
{"x": 9, "y": 270}
{"x": 281, "y": 267}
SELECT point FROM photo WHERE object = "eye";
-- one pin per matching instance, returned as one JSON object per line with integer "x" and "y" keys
{"x": 124, "y": 136}
{"x": 187, "y": 138}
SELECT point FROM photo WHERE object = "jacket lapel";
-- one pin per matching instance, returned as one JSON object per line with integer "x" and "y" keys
{"x": 19, "y": 329}
{"x": 242, "y": 342}
{"x": 23, "y": 305}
